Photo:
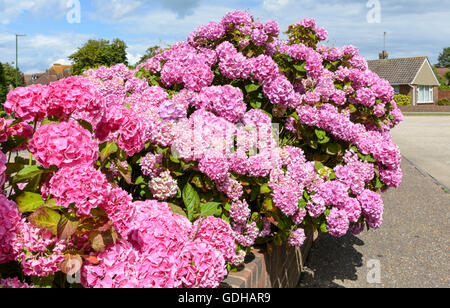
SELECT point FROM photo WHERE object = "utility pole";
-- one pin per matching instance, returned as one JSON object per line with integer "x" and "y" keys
{"x": 17, "y": 58}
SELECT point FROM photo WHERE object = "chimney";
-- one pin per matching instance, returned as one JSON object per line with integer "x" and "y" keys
{"x": 384, "y": 55}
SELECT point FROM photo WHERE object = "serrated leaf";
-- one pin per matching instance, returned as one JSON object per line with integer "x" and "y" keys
{"x": 28, "y": 173}
{"x": 300, "y": 68}
{"x": 302, "y": 203}
{"x": 28, "y": 202}
{"x": 332, "y": 149}
{"x": 324, "y": 228}
{"x": 210, "y": 209}
{"x": 252, "y": 87}
{"x": 191, "y": 200}
{"x": 51, "y": 204}
{"x": 97, "y": 242}
{"x": 177, "y": 209}
{"x": 108, "y": 149}
{"x": 256, "y": 104}
{"x": 265, "y": 189}
{"x": 268, "y": 204}
{"x": 318, "y": 165}
{"x": 86, "y": 125}
{"x": 46, "y": 218}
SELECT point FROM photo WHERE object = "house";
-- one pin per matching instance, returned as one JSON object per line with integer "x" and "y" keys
{"x": 409, "y": 76}
{"x": 56, "y": 72}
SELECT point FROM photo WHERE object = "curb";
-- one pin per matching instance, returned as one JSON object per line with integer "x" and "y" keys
{"x": 426, "y": 174}
{"x": 281, "y": 269}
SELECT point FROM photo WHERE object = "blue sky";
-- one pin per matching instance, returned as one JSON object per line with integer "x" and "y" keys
{"x": 415, "y": 28}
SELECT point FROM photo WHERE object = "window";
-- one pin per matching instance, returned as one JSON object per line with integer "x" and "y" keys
{"x": 425, "y": 94}
{"x": 396, "y": 90}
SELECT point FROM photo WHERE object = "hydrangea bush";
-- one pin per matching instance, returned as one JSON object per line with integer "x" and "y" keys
{"x": 167, "y": 175}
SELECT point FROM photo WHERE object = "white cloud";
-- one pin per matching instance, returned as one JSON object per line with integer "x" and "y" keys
{"x": 38, "y": 52}
{"x": 10, "y": 10}
{"x": 133, "y": 58}
{"x": 60, "y": 61}
{"x": 275, "y": 5}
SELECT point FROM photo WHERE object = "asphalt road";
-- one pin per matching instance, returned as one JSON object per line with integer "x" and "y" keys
{"x": 425, "y": 140}
{"x": 411, "y": 249}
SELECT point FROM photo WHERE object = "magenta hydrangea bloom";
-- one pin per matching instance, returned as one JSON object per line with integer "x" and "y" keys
{"x": 201, "y": 266}
{"x": 10, "y": 225}
{"x": 14, "y": 283}
{"x": 64, "y": 144}
{"x": 28, "y": 104}
{"x": 83, "y": 186}
{"x": 217, "y": 233}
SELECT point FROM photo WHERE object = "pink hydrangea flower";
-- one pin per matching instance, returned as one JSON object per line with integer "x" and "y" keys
{"x": 64, "y": 144}
{"x": 84, "y": 186}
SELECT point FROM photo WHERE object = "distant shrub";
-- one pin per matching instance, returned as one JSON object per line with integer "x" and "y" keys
{"x": 444, "y": 87}
{"x": 402, "y": 100}
{"x": 443, "y": 102}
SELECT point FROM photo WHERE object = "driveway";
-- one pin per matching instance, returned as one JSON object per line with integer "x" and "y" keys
{"x": 425, "y": 141}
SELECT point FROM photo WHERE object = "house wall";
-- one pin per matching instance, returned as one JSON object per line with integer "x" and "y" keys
{"x": 408, "y": 90}
{"x": 443, "y": 94}
{"x": 426, "y": 76}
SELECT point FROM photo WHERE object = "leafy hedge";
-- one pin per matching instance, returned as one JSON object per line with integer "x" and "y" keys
{"x": 402, "y": 100}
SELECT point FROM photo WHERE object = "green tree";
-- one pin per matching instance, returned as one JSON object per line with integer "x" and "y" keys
{"x": 150, "y": 52}
{"x": 3, "y": 86}
{"x": 97, "y": 53}
{"x": 442, "y": 80}
{"x": 444, "y": 58}
{"x": 447, "y": 75}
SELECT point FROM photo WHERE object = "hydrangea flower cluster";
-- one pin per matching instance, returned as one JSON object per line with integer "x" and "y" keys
{"x": 248, "y": 138}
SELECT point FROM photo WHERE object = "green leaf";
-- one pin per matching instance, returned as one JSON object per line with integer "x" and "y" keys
{"x": 140, "y": 181}
{"x": 109, "y": 149}
{"x": 51, "y": 204}
{"x": 28, "y": 202}
{"x": 252, "y": 87}
{"x": 191, "y": 200}
{"x": 210, "y": 209}
{"x": 319, "y": 166}
{"x": 49, "y": 120}
{"x": 256, "y": 104}
{"x": 323, "y": 228}
{"x": 320, "y": 133}
{"x": 332, "y": 149}
{"x": 265, "y": 189}
{"x": 174, "y": 159}
{"x": 28, "y": 173}
{"x": 268, "y": 204}
{"x": 302, "y": 203}
{"x": 86, "y": 125}
{"x": 46, "y": 218}
{"x": 300, "y": 68}
{"x": 378, "y": 183}
{"x": 177, "y": 209}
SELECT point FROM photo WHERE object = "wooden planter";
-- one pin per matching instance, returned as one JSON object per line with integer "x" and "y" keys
{"x": 281, "y": 269}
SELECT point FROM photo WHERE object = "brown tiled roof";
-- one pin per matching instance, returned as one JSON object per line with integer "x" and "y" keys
{"x": 397, "y": 71}
{"x": 442, "y": 71}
